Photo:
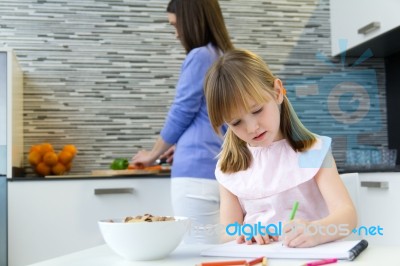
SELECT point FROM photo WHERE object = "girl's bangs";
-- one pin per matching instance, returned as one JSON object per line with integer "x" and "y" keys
{"x": 239, "y": 96}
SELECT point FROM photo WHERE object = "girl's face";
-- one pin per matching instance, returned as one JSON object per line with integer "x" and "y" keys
{"x": 172, "y": 21}
{"x": 260, "y": 126}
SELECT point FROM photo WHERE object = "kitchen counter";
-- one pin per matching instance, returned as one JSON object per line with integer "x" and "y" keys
{"x": 88, "y": 176}
{"x": 168, "y": 174}
{"x": 188, "y": 255}
{"x": 371, "y": 169}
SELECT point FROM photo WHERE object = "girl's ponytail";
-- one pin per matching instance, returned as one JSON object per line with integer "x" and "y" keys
{"x": 298, "y": 136}
{"x": 235, "y": 155}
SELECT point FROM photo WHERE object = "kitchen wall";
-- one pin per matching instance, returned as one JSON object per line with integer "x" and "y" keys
{"x": 100, "y": 74}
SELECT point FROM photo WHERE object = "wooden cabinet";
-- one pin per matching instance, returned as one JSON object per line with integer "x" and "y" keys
{"x": 50, "y": 218}
{"x": 359, "y": 21}
{"x": 379, "y": 199}
{"x": 11, "y": 110}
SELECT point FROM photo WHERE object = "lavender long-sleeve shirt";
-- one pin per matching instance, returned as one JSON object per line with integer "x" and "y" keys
{"x": 187, "y": 124}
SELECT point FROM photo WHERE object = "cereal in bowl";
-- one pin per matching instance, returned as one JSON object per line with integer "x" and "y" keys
{"x": 144, "y": 218}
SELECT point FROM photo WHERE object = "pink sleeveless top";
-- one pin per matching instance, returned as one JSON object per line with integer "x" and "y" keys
{"x": 277, "y": 178}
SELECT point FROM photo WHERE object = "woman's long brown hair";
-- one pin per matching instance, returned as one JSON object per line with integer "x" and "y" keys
{"x": 200, "y": 22}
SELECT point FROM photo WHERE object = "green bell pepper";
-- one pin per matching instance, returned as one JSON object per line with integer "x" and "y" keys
{"x": 119, "y": 164}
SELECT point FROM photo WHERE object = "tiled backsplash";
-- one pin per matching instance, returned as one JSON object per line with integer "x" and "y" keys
{"x": 101, "y": 74}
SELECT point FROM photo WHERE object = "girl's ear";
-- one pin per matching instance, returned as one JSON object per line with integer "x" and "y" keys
{"x": 278, "y": 87}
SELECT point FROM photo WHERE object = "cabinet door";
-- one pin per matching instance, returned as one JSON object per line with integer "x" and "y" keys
{"x": 380, "y": 196}
{"x": 348, "y": 17}
{"x": 47, "y": 219}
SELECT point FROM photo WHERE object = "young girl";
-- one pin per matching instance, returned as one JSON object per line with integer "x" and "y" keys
{"x": 269, "y": 160}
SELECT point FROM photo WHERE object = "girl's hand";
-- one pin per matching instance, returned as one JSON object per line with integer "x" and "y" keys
{"x": 259, "y": 239}
{"x": 301, "y": 234}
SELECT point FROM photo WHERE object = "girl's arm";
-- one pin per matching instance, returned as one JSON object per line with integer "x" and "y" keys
{"x": 342, "y": 216}
{"x": 230, "y": 211}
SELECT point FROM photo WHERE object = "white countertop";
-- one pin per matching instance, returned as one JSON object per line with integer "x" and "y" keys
{"x": 189, "y": 255}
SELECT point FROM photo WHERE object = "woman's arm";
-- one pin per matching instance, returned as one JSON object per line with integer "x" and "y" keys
{"x": 189, "y": 96}
{"x": 342, "y": 216}
{"x": 147, "y": 158}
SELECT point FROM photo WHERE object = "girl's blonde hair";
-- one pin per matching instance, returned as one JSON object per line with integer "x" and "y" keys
{"x": 233, "y": 80}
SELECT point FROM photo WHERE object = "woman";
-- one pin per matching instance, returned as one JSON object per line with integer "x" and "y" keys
{"x": 200, "y": 27}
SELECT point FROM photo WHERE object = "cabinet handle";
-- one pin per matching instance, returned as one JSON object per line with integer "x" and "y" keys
{"x": 375, "y": 184}
{"x": 122, "y": 190}
{"x": 369, "y": 27}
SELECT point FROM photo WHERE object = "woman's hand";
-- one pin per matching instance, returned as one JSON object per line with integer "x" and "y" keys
{"x": 168, "y": 155}
{"x": 146, "y": 158}
{"x": 143, "y": 158}
{"x": 301, "y": 234}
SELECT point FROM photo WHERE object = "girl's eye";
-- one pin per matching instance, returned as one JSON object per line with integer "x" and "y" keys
{"x": 258, "y": 111}
{"x": 236, "y": 123}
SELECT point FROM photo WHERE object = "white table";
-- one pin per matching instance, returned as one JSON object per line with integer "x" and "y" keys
{"x": 186, "y": 255}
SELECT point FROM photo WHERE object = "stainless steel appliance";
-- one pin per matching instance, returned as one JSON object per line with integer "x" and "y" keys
{"x": 3, "y": 221}
{"x": 3, "y": 159}
{"x": 3, "y": 113}
{"x": 11, "y": 114}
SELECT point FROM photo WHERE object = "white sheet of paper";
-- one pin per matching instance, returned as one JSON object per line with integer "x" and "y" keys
{"x": 337, "y": 249}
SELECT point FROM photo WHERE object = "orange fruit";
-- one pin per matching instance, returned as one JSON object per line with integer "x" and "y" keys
{"x": 58, "y": 169}
{"x": 46, "y": 147}
{"x": 70, "y": 148}
{"x": 42, "y": 169}
{"x": 65, "y": 157}
{"x": 35, "y": 148}
{"x": 34, "y": 157}
{"x": 68, "y": 167}
{"x": 50, "y": 158}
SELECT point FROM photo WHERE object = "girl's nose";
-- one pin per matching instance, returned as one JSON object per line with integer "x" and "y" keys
{"x": 252, "y": 126}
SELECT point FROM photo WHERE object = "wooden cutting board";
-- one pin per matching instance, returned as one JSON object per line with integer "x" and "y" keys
{"x": 124, "y": 172}
{"x": 109, "y": 172}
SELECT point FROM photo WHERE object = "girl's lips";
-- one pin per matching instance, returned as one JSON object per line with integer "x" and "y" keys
{"x": 259, "y": 137}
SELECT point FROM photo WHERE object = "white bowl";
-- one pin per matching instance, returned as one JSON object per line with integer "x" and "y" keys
{"x": 143, "y": 240}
